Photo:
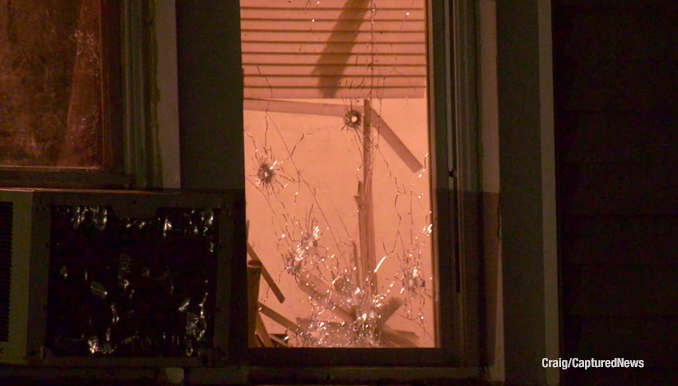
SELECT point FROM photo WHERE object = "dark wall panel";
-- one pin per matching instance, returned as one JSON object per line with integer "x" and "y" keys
{"x": 654, "y": 341}
{"x": 620, "y": 290}
{"x": 619, "y": 188}
{"x": 621, "y": 5}
{"x": 635, "y": 240}
{"x": 611, "y": 137}
{"x": 610, "y": 34}
{"x": 616, "y": 92}
{"x": 630, "y": 83}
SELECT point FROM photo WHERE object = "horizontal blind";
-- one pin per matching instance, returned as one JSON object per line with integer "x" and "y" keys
{"x": 333, "y": 48}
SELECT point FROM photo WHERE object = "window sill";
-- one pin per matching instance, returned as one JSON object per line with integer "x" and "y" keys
{"x": 334, "y": 375}
{"x": 69, "y": 178}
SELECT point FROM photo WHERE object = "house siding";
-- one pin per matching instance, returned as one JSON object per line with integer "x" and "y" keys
{"x": 616, "y": 87}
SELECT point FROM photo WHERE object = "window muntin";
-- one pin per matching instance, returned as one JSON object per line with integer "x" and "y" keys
{"x": 311, "y": 94}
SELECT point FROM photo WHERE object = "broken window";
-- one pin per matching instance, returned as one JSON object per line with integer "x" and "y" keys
{"x": 51, "y": 84}
{"x": 338, "y": 186}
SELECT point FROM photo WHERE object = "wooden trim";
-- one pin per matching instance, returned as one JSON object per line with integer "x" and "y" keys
{"x": 63, "y": 178}
{"x": 466, "y": 163}
{"x": 111, "y": 72}
{"x": 529, "y": 253}
{"x": 323, "y": 375}
{"x": 242, "y": 375}
{"x": 448, "y": 323}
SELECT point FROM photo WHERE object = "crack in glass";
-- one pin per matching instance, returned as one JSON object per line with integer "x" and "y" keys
{"x": 342, "y": 192}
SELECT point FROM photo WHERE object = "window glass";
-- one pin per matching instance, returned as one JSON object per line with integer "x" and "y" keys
{"x": 338, "y": 189}
{"x": 50, "y": 83}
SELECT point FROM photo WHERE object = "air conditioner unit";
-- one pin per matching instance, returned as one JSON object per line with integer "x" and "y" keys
{"x": 116, "y": 277}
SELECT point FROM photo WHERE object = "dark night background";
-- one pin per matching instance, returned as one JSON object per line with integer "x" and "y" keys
{"x": 616, "y": 88}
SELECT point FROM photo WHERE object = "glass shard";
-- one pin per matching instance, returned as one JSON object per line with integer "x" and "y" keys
{"x": 338, "y": 190}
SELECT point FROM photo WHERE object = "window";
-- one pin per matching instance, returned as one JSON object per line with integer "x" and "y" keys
{"x": 342, "y": 228}
{"x": 61, "y": 89}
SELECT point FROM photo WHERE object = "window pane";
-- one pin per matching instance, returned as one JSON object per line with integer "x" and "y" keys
{"x": 50, "y": 83}
{"x": 338, "y": 190}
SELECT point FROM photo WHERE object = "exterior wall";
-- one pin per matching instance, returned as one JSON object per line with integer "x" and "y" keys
{"x": 616, "y": 90}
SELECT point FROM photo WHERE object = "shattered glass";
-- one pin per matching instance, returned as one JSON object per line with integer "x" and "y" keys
{"x": 125, "y": 286}
{"x": 338, "y": 189}
{"x": 50, "y": 84}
